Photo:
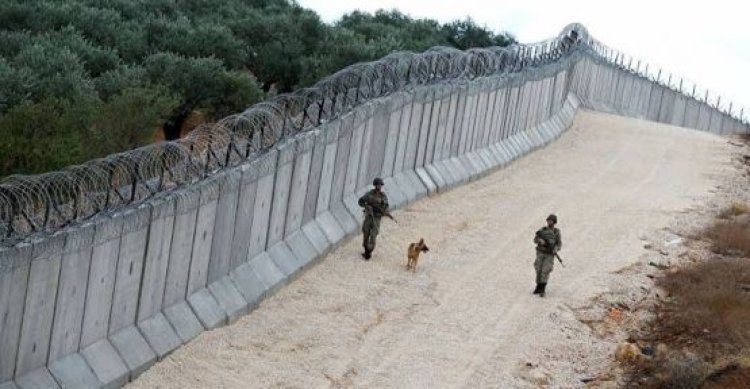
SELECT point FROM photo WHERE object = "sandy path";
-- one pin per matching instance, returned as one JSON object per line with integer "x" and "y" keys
{"x": 467, "y": 318}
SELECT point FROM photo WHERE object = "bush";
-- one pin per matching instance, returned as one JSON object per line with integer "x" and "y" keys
{"x": 56, "y": 72}
{"x": 733, "y": 210}
{"x": 117, "y": 80}
{"x": 12, "y": 42}
{"x": 683, "y": 371}
{"x": 203, "y": 40}
{"x": 734, "y": 375}
{"x": 703, "y": 327}
{"x": 130, "y": 118}
{"x": 730, "y": 237}
{"x": 45, "y": 136}
{"x": 200, "y": 83}
{"x": 15, "y": 86}
{"x": 215, "y": 57}
{"x": 707, "y": 302}
{"x": 95, "y": 59}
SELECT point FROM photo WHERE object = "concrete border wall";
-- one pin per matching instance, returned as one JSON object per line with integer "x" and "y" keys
{"x": 606, "y": 87}
{"x": 96, "y": 304}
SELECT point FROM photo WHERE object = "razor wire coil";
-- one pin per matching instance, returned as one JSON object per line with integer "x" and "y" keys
{"x": 45, "y": 203}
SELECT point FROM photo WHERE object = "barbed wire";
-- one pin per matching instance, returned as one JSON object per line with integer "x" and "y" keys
{"x": 44, "y": 203}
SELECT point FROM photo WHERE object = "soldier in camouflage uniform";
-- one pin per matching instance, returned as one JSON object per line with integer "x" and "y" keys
{"x": 375, "y": 204}
{"x": 548, "y": 243}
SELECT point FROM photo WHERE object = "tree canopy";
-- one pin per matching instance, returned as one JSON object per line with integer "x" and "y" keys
{"x": 80, "y": 79}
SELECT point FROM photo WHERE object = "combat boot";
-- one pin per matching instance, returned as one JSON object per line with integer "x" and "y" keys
{"x": 538, "y": 289}
{"x": 367, "y": 255}
{"x": 542, "y": 288}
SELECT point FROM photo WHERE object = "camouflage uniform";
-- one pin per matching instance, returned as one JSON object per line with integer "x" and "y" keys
{"x": 545, "y": 255}
{"x": 375, "y": 204}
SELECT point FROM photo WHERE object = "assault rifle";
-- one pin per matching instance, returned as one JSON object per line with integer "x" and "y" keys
{"x": 547, "y": 244}
{"x": 559, "y": 259}
{"x": 386, "y": 213}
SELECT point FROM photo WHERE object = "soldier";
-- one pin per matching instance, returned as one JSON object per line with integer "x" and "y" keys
{"x": 375, "y": 204}
{"x": 548, "y": 243}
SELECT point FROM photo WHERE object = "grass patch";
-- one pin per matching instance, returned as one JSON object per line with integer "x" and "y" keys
{"x": 733, "y": 210}
{"x": 732, "y": 376}
{"x": 707, "y": 303}
{"x": 730, "y": 237}
{"x": 703, "y": 328}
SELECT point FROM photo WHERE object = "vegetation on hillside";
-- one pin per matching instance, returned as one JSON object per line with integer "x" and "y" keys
{"x": 81, "y": 79}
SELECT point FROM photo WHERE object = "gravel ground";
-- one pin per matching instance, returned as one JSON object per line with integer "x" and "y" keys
{"x": 467, "y": 318}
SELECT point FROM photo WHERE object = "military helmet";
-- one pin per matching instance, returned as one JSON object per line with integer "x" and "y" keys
{"x": 378, "y": 181}
{"x": 553, "y": 218}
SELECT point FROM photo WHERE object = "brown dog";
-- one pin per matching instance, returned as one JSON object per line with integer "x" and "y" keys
{"x": 413, "y": 254}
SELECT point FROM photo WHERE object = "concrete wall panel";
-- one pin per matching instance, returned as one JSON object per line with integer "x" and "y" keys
{"x": 101, "y": 283}
{"x": 129, "y": 268}
{"x": 281, "y": 191}
{"x": 315, "y": 177}
{"x": 354, "y": 161}
{"x": 381, "y": 128}
{"x": 450, "y": 123}
{"x": 204, "y": 229}
{"x": 341, "y": 164}
{"x": 403, "y": 134}
{"x": 39, "y": 310}
{"x": 181, "y": 250}
{"x": 415, "y": 128}
{"x": 71, "y": 291}
{"x": 365, "y": 153}
{"x": 224, "y": 225}
{"x": 330, "y": 156}
{"x": 243, "y": 221}
{"x": 437, "y": 106}
{"x": 14, "y": 275}
{"x": 157, "y": 257}
{"x": 392, "y": 137}
{"x": 262, "y": 208}
{"x": 300, "y": 178}
{"x": 427, "y": 97}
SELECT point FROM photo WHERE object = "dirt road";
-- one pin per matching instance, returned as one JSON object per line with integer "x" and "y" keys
{"x": 467, "y": 318}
